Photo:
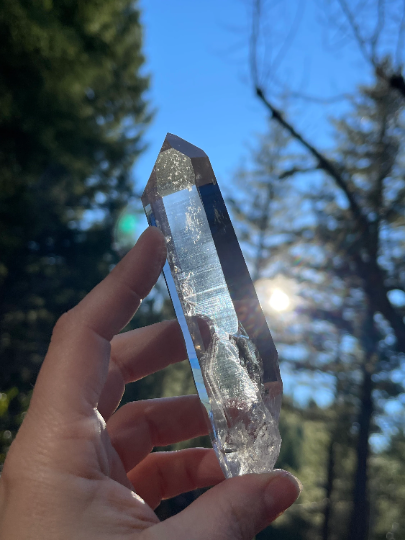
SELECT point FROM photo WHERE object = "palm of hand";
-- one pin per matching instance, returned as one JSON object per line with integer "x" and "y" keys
{"x": 79, "y": 470}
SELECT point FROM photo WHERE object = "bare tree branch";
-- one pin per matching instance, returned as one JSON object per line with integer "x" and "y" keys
{"x": 289, "y": 39}
{"x": 285, "y": 45}
{"x": 323, "y": 163}
{"x": 356, "y": 31}
{"x": 320, "y": 100}
{"x": 394, "y": 79}
{"x": 400, "y": 40}
{"x": 296, "y": 170}
{"x": 378, "y": 29}
{"x": 254, "y": 37}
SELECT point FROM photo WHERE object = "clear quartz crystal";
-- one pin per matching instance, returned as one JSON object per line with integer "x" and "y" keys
{"x": 231, "y": 352}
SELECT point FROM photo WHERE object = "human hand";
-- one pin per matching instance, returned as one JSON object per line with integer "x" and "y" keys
{"x": 77, "y": 470}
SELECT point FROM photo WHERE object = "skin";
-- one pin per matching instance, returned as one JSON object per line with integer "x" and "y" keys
{"x": 79, "y": 470}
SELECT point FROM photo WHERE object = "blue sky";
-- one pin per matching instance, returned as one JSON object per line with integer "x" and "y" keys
{"x": 197, "y": 57}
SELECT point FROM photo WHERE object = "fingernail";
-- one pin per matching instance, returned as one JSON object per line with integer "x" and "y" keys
{"x": 281, "y": 491}
{"x": 291, "y": 478}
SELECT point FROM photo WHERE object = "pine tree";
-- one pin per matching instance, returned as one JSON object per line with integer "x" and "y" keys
{"x": 72, "y": 114}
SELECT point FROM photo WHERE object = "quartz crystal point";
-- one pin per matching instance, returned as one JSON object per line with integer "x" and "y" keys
{"x": 231, "y": 352}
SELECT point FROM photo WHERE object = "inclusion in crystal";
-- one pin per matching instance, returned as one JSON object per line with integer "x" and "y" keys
{"x": 229, "y": 345}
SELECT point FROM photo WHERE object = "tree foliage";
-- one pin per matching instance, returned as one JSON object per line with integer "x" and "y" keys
{"x": 72, "y": 114}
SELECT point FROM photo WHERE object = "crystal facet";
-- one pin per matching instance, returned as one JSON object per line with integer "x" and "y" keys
{"x": 229, "y": 345}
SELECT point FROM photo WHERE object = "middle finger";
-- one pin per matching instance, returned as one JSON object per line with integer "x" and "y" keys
{"x": 138, "y": 353}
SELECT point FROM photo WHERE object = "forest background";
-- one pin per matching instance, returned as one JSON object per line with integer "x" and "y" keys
{"x": 318, "y": 201}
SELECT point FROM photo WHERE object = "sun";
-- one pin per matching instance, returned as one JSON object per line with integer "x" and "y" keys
{"x": 279, "y": 300}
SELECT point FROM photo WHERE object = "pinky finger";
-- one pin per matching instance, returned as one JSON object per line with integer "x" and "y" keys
{"x": 163, "y": 475}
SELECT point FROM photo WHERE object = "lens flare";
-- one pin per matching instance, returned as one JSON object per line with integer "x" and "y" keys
{"x": 128, "y": 227}
{"x": 128, "y": 224}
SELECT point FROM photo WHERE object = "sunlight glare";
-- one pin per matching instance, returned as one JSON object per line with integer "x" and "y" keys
{"x": 279, "y": 300}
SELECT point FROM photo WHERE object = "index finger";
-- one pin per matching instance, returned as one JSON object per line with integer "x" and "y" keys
{"x": 75, "y": 368}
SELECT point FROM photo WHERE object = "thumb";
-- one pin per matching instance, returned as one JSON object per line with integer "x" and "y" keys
{"x": 236, "y": 509}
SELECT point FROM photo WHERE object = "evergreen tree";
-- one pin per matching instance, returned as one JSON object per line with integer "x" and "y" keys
{"x": 72, "y": 114}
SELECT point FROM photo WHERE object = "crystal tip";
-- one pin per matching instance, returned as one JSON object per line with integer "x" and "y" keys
{"x": 186, "y": 148}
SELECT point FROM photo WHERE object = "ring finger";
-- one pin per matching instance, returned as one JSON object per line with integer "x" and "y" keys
{"x": 138, "y": 427}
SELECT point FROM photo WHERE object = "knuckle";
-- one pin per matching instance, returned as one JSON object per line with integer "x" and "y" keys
{"x": 62, "y": 326}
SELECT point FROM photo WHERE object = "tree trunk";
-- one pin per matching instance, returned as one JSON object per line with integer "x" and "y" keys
{"x": 359, "y": 522}
{"x": 329, "y": 488}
